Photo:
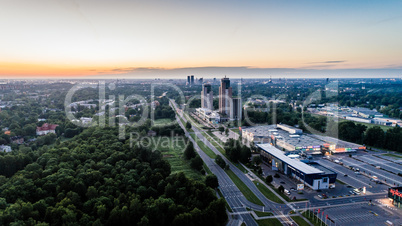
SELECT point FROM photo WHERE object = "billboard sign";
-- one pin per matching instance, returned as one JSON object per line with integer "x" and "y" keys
{"x": 300, "y": 187}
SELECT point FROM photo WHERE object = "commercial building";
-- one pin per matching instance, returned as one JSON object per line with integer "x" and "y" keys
{"x": 395, "y": 195}
{"x": 188, "y": 80}
{"x": 366, "y": 113}
{"x": 225, "y": 96}
{"x": 192, "y": 80}
{"x": 312, "y": 175}
{"x": 293, "y": 140}
{"x": 207, "y": 115}
{"x": 207, "y": 97}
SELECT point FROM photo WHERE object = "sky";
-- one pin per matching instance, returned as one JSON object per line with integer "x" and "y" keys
{"x": 130, "y": 39}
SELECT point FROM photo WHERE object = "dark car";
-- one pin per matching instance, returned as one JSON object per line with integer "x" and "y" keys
{"x": 345, "y": 175}
{"x": 282, "y": 182}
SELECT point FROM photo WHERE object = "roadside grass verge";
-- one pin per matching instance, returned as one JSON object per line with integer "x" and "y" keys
{"x": 250, "y": 196}
{"x": 267, "y": 193}
{"x": 203, "y": 147}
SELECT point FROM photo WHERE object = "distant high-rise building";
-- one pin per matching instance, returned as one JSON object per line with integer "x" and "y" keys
{"x": 201, "y": 80}
{"x": 192, "y": 80}
{"x": 214, "y": 80}
{"x": 225, "y": 96}
{"x": 236, "y": 109}
{"x": 188, "y": 80}
{"x": 207, "y": 96}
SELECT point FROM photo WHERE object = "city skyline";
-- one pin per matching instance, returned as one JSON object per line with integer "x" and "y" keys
{"x": 135, "y": 39}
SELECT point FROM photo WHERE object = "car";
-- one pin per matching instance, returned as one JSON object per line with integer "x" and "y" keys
{"x": 345, "y": 175}
{"x": 357, "y": 173}
{"x": 282, "y": 182}
{"x": 287, "y": 192}
{"x": 325, "y": 196}
{"x": 351, "y": 192}
{"x": 319, "y": 196}
{"x": 292, "y": 189}
{"x": 332, "y": 186}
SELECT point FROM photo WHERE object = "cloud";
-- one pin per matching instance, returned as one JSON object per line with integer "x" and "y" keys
{"x": 329, "y": 62}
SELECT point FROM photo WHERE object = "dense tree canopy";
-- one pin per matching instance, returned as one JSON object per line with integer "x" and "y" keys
{"x": 95, "y": 178}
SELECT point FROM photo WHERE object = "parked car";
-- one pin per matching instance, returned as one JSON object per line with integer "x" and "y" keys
{"x": 332, "y": 186}
{"x": 345, "y": 175}
{"x": 319, "y": 196}
{"x": 282, "y": 182}
{"x": 287, "y": 192}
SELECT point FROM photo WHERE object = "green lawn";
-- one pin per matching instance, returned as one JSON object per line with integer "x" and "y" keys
{"x": 300, "y": 221}
{"x": 236, "y": 130}
{"x": 369, "y": 125}
{"x": 263, "y": 214}
{"x": 160, "y": 122}
{"x": 173, "y": 153}
{"x": 394, "y": 155}
{"x": 250, "y": 196}
{"x": 267, "y": 193}
{"x": 203, "y": 147}
{"x": 269, "y": 222}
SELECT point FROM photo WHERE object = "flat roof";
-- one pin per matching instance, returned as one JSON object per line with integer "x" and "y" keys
{"x": 320, "y": 167}
{"x": 301, "y": 166}
{"x": 301, "y": 141}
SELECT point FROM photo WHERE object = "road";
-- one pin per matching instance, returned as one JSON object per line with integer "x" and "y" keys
{"x": 231, "y": 193}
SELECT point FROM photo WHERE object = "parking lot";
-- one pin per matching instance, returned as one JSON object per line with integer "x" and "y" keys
{"x": 361, "y": 214}
{"x": 353, "y": 179}
{"x": 383, "y": 164}
{"x": 373, "y": 171}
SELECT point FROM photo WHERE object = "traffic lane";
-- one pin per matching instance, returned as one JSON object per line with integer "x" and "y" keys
{"x": 381, "y": 174}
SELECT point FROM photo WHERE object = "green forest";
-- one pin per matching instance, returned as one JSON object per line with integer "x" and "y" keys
{"x": 97, "y": 179}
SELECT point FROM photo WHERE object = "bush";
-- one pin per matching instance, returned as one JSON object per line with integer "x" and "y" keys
{"x": 281, "y": 189}
{"x": 269, "y": 179}
{"x": 219, "y": 160}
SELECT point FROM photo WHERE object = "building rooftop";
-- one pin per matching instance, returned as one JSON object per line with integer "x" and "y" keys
{"x": 301, "y": 166}
{"x": 320, "y": 167}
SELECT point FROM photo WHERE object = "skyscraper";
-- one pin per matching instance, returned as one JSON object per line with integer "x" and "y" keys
{"x": 207, "y": 97}
{"x": 188, "y": 80}
{"x": 192, "y": 80}
{"x": 225, "y": 96}
{"x": 236, "y": 109}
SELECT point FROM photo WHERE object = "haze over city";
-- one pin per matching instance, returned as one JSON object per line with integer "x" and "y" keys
{"x": 170, "y": 39}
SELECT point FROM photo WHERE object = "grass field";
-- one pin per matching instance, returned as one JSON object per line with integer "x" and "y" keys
{"x": 300, "y": 221}
{"x": 163, "y": 121}
{"x": 267, "y": 193}
{"x": 203, "y": 147}
{"x": 236, "y": 130}
{"x": 250, "y": 196}
{"x": 394, "y": 155}
{"x": 263, "y": 214}
{"x": 172, "y": 150}
{"x": 369, "y": 125}
{"x": 269, "y": 222}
